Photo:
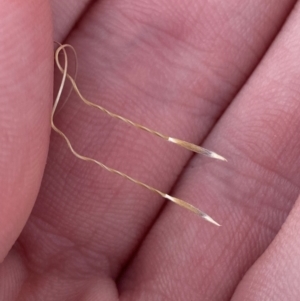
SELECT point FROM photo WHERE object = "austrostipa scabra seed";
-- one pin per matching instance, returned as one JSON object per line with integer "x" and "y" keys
{"x": 184, "y": 144}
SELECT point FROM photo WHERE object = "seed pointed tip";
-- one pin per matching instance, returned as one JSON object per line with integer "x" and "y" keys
{"x": 218, "y": 157}
{"x": 209, "y": 219}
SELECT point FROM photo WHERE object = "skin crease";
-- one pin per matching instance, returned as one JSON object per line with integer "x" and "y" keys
{"x": 225, "y": 76}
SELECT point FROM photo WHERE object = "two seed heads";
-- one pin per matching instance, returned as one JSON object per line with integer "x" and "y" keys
{"x": 187, "y": 145}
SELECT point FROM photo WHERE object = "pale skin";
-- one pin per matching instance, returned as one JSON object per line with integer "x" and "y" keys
{"x": 222, "y": 74}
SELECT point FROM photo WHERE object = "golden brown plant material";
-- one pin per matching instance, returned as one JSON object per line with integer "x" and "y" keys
{"x": 184, "y": 144}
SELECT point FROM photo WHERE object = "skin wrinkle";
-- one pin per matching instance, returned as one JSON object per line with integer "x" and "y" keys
{"x": 251, "y": 211}
{"x": 264, "y": 170}
{"x": 61, "y": 9}
{"x": 252, "y": 129}
{"x": 135, "y": 148}
{"x": 84, "y": 149}
{"x": 151, "y": 108}
{"x": 66, "y": 247}
{"x": 16, "y": 278}
{"x": 275, "y": 264}
{"x": 167, "y": 33}
{"x": 265, "y": 173}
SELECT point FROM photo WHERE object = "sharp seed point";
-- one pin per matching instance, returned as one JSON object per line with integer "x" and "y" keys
{"x": 209, "y": 219}
{"x": 218, "y": 157}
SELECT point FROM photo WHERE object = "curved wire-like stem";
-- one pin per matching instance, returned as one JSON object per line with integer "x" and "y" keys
{"x": 184, "y": 144}
{"x": 65, "y": 75}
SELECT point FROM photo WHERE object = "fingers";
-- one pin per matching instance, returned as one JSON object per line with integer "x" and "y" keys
{"x": 65, "y": 16}
{"x": 26, "y": 95}
{"x": 275, "y": 274}
{"x": 169, "y": 69}
{"x": 250, "y": 196}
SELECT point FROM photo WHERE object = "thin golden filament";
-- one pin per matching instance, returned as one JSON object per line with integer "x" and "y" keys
{"x": 65, "y": 75}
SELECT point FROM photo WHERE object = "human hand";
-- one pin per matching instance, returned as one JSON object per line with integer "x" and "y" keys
{"x": 197, "y": 70}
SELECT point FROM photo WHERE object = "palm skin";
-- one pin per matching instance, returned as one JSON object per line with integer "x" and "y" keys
{"x": 221, "y": 74}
